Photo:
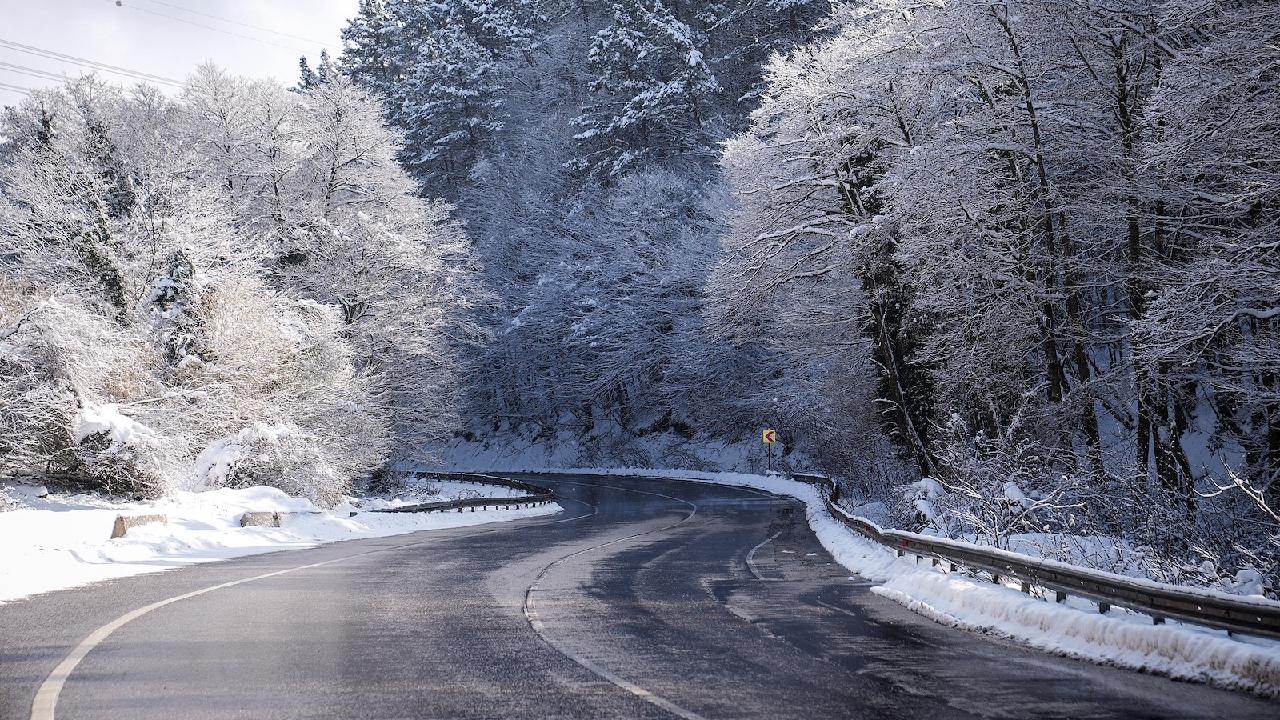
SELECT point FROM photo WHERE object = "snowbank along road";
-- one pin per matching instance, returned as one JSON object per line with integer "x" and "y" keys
{"x": 645, "y": 598}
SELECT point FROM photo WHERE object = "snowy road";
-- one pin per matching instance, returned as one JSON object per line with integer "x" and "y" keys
{"x": 646, "y": 598}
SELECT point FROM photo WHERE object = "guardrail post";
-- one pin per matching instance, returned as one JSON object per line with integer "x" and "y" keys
{"x": 953, "y": 567}
{"x": 901, "y": 552}
{"x": 1059, "y": 596}
{"x": 995, "y": 578}
{"x": 1104, "y": 607}
{"x": 1157, "y": 620}
{"x": 936, "y": 562}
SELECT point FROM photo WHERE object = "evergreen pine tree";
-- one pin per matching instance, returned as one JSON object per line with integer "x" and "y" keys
{"x": 439, "y": 68}
{"x": 650, "y": 87}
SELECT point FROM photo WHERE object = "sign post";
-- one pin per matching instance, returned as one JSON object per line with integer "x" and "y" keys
{"x": 769, "y": 437}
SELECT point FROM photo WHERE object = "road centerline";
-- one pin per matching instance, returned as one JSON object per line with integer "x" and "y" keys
{"x": 531, "y": 614}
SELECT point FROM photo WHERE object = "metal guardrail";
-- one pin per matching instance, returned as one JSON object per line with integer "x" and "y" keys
{"x": 1159, "y": 600}
{"x": 535, "y": 494}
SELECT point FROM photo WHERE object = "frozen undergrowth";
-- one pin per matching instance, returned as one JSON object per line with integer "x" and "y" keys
{"x": 1074, "y": 629}
{"x": 62, "y": 541}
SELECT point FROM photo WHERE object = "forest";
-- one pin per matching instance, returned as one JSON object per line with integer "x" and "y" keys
{"x": 1010, "y": 270}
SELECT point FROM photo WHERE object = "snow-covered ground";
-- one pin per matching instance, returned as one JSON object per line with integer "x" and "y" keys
{"x": 1075, "y": 628}
{"x": 62, "y": 541}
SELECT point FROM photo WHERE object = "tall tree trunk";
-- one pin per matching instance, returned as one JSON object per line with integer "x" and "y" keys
{"x": 1058, "y": 246}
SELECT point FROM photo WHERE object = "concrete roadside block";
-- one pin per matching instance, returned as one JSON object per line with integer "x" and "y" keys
{"x": 260, "y": 519}
{"x": 268, "y": 518}
{"x": 124, "y": 522}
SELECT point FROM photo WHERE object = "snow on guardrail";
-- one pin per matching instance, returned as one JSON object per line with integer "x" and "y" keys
{"x": 1200, "y": 606}
{"x": 1072, "y": 628}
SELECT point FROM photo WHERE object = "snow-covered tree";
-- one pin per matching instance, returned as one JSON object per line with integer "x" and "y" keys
{"x": 649, "y": 91}
{"x": 161, "y": 330}
{"x": 439, "y": 68}
{"x": 1048, "y": 223}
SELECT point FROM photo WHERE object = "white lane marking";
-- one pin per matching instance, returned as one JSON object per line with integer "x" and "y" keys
{"x": 752, "y": 566}
{"x": 46, "y": 701}
{"x": 594, "y": 510}
{"x": 536, "y": 623}
{"x": 45, "y": 704}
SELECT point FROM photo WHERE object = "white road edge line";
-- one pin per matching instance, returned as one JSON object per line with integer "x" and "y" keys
{"x": 45, "y": 704}
{"x": 594, "y": 510}
{"x": 752, "y": 566}
{"x": 534, "y": 622}
{"x": 46, "y": 700}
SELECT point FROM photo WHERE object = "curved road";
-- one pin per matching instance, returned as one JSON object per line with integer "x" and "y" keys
{"x": 645, "y": 598}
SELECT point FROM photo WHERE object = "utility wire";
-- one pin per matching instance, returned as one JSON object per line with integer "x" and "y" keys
{"x": 237, "y": 22}
{"x": 85, "y": 62}
{"x": 33, "y": 72}
{"x": 208, "y": 27}
{"x": 16, "y": 88}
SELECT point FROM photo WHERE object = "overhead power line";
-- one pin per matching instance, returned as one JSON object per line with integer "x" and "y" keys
{"x": 237, "y": 22}
{"x": 33, "y": 72}
{"x": 85, "y": 62}
{"x": 16, "y": 88}
{"x": 175, "y": 18}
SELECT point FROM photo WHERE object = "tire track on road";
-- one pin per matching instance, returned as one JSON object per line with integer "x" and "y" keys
{"x": 531, "y": 615}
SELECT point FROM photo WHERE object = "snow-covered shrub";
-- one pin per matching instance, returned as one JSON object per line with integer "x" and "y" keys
{"x": 915, "y": 504}
{"x": 63, "y": 371}
{"x": 35, "y": 412}
{"x": 282, "y": 404}
{"x": 117, "y": 454}
{"x": 281, "y": 456}
{"x": 989, "y": 489}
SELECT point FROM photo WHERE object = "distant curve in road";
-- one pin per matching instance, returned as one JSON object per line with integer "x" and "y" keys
{"x": 646, "y": 598}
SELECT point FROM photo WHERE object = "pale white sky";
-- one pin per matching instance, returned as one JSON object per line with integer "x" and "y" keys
{"x": 168, "y": 38}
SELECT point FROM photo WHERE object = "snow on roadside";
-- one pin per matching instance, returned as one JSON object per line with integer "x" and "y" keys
{"x": 429, "y": 490}
{"x": 1073, "y": 629}
{"x": 63, "y": 541}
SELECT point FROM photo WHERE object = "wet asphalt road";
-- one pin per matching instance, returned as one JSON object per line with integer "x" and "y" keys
{"x": 644, "y": 598}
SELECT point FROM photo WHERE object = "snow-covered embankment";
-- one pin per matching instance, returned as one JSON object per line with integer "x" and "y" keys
{"x": 62, "y": 541}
